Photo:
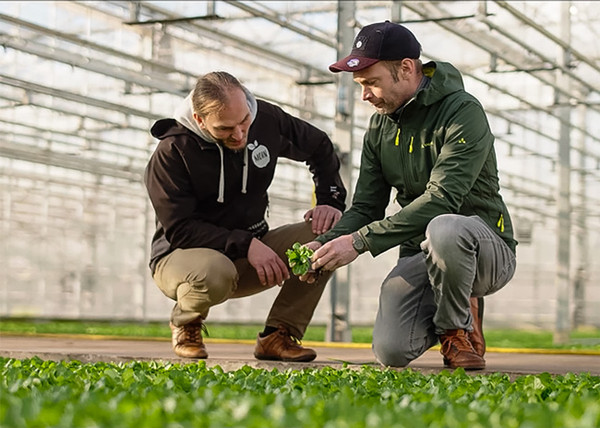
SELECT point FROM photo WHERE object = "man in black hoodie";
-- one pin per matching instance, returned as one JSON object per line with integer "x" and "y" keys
{"x": 207, "y": 181}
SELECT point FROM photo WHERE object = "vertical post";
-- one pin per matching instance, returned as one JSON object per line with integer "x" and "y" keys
{"x": 562, "y": 323}
{"x": 579, "y": 283}
{"x": 6, "y": 240}
{"x": 397, "y": 11}
{"x": 149, "y": 226}
{"x": 211, "y": 8}
{"x": 338, "y": 329}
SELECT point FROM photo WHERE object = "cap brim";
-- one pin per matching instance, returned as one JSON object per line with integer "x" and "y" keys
{"x": 352, "y": 63}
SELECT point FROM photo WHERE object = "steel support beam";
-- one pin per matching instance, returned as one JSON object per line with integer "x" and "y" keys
{"x": 563, "y": 234}
{"x": 582, "y": 241}
{"x": 338, "y": 328}
{"x": 72, "y": 96}
{"x": 309, "y": 33}
{"x": 550, "y": 35}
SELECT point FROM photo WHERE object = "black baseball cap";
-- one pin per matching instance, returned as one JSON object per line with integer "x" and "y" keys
{"x": 382, "y": 41}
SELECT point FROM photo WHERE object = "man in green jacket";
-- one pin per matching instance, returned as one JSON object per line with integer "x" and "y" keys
{"x": 430, "y": 141}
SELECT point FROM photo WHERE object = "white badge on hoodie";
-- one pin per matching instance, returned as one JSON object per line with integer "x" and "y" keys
{"x": 260, "y": 154}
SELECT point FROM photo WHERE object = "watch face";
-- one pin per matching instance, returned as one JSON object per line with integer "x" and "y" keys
{"x": 357, "y": 243}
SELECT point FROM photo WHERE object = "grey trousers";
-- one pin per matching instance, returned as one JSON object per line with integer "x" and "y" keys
{"x": 428, "y": 293}
{"x": 199, "y": 278}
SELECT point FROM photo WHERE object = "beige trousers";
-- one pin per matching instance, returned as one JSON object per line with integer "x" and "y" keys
{"x": 199, "y": 278}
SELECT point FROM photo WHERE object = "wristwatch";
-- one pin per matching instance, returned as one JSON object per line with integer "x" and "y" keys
{"x": 358, "y": 243}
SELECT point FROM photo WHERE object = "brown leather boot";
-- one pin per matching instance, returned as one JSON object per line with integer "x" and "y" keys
{"x": 458, "y": 351}
{"x": 187, "y": 339}
{"x": 476, "y": 336}
{"x": 282, "y": 346}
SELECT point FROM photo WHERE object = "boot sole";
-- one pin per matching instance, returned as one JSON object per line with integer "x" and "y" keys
{"x": 204, "y": 357}
{"x": 198, "y": 355}
{"x": 195, "y": 357}
{"x": 473, "y": 367}
{"x": 304, "y": 359}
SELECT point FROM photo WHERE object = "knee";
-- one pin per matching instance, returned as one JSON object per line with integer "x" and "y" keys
{"x": 442, "y": 232}
{"x": 445, "y": 226}
{"x": 217, "y": 280}
{"x": 221, "y": 280}
{"x": 391, "y": 353}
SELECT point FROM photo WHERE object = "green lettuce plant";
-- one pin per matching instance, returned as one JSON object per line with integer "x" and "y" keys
{"x": 299, "y": 258}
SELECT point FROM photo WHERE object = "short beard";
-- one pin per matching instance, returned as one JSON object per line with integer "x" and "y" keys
{"x": 383, "y": 110}
{"x": 221, "y": 143}
{"x": 236, "y": 150}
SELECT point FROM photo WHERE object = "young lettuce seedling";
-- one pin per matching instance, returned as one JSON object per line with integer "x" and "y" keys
{"x": 299, "y": 258}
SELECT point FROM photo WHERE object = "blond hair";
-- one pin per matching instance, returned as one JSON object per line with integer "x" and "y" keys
{"x": 212, "y": 91}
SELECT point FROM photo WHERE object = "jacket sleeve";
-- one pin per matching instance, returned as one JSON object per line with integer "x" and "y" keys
{"x": 466, "y": 146}
{"x": 302, "y": 141}
{"x": 176, "y": 208}
{"x": 371, "y": 195}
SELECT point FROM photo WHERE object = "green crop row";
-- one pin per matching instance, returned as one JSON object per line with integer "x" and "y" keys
{"x": 36, "y": 393}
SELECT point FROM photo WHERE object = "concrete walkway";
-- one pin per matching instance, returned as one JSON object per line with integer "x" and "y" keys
{"x": 231, "y": 355}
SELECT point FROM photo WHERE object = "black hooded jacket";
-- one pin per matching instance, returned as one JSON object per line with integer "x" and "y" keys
{"x": 205, "y": 195}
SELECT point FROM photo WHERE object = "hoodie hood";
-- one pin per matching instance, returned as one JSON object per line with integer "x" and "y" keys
{"x": 445, "y": 80}
{"x": 184, "y": 114}
{"x": 440, "y": 79}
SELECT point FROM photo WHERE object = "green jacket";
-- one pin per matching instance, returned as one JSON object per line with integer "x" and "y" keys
{"x": 437, "y": 152}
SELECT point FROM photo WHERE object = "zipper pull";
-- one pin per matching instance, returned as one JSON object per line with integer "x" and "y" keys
{"x": 398, "y": 136}
{"x": 500, "y": 223}
{"x": 410, "y": 147}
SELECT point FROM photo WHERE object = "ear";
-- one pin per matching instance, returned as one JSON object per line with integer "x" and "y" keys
{"x": 407, "y": 68}
{"x": 200, "y": 121}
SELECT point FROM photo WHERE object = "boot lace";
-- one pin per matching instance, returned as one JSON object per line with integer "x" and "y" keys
{"x": 289, "y": 341}
{"x": 458, "y": 341}
{"x": 192, "y": 333}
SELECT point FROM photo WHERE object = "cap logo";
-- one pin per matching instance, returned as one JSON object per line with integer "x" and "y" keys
{"x": 360, "y": 42}
{"x": 353, "y": 62}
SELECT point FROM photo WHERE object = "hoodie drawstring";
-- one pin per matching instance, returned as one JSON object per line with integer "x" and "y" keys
{"x": 221, "y": 197}
{"x": 245, "y": 172}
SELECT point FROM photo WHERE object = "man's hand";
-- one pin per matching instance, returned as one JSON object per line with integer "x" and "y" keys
{"x": 334, "y": 254}
{"x": 270, "y": 268}
{"x": 324, "y": 217}
{"x": 311, "y": 275}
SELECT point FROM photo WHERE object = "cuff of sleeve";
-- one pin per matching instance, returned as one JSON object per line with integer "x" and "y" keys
{"x": 238, "y": 244}
{"x": 331, "y": 201}
{"x": 362, "y": 232}
{"x": 321, "y": 239}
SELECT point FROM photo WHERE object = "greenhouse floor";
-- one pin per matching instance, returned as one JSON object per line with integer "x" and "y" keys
{"x": 231, "y": 355}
